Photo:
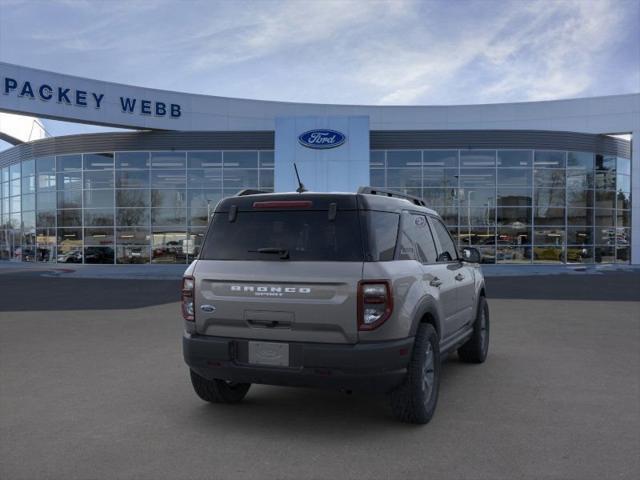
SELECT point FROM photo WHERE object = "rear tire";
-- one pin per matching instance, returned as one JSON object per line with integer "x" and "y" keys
{"x": 415, "y": 400}
{"x": 218, "y": 391}
{"x": 477, "y": 347}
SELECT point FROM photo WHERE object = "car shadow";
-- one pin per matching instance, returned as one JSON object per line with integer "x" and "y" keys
{"x": 316, "y": 413}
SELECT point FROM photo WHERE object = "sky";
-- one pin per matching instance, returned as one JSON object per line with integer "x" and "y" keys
{"x": 396, "y": 52}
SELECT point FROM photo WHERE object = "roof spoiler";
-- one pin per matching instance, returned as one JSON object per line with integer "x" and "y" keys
{"x": 390, "y": 193}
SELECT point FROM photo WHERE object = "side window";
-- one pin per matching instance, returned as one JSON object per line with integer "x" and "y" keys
{"x": 447, "y": 251}
{"x": 383, "y": 233}
{"x": 416, "y": 242}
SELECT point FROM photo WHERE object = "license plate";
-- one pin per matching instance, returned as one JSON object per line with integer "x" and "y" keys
{"x": 269, "y": 353}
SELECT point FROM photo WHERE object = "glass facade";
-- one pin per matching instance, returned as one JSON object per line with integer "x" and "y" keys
{"x": 515, "y": 206}
{"x": 520, "y": 206}
{"x": 120, "y": 207}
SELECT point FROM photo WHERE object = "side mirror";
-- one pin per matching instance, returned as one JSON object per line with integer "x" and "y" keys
{"x": 471, "y": 255}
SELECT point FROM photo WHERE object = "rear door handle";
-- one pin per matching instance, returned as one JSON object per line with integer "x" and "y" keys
{"x": 459, "y": 277}
{"x": 436, "y": 282}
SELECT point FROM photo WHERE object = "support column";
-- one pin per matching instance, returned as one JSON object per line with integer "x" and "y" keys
{"x": 635, "y": 197}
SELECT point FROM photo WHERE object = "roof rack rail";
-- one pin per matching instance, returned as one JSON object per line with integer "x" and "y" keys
{"x": 249, "y": 191}
{"x": 391, "y": 193}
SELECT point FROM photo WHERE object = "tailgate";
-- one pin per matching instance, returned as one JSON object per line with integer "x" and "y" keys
{"x": 281, "y": 301}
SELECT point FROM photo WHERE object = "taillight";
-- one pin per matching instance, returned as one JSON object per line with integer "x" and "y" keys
{"x": 188, "y": 289}
{"x": 375, "y": 303}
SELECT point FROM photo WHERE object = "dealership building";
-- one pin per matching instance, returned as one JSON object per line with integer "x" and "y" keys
{"x": 537, "y": 182}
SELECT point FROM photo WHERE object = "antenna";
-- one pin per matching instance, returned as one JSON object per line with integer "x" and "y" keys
{"x": 300, "y": 188}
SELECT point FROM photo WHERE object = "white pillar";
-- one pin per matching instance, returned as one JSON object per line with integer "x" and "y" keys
{"x": 635, "y": 197}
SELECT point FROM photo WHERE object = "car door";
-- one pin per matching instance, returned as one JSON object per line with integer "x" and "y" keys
{"x": 461, "y": 276}
{"x": 418, "y": 243}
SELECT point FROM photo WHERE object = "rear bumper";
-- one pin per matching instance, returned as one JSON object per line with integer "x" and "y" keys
{"x": 371, "y": 367}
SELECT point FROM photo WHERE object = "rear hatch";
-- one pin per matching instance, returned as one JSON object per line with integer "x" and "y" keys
{"x": 281, "y": 267}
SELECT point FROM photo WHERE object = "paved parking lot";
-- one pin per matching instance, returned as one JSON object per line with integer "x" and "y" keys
{"x": 92, "y": 385}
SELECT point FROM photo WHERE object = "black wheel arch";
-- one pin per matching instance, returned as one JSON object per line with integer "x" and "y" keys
{"x": 427, "y": 312}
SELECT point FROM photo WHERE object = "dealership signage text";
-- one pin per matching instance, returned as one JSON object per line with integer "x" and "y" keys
{"x": 83, "y": 98}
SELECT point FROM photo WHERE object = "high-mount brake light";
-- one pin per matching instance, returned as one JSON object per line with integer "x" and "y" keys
{"x": 283, "y": 204}
{"x": 187, "y": 298}
{"x": 375, "y": 303}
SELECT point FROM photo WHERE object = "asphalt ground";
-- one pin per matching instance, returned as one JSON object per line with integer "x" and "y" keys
{"x": 93, "y": 386}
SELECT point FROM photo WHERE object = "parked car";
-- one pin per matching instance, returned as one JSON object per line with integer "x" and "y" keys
{"x": 362, "y": 291}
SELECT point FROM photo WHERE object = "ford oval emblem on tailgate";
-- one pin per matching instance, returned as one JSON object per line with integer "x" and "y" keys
{"x": 322, "y": 138}
{"x": 208, "y": 308}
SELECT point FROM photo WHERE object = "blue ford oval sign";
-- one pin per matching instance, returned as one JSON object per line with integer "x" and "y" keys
{"x": 322, "y": 138}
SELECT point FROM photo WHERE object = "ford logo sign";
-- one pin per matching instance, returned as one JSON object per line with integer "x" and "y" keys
{"x": 322, "y": 138}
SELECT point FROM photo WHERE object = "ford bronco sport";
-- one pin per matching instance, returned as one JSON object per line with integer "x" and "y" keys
{"x": 363, "y": 292}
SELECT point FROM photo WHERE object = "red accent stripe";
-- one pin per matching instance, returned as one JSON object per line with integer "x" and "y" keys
{"x": 284, "y": 204}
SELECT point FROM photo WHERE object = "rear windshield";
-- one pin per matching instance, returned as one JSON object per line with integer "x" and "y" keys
{"x": 284, "y": 236}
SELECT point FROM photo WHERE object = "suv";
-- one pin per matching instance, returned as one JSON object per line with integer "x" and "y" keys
{"x": 361, "y": 292}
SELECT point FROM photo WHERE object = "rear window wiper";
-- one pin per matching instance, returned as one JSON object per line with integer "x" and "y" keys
{"x": 283, "y": 252}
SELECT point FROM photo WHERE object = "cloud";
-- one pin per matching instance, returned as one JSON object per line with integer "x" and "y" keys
{"x": 337, "y": 51}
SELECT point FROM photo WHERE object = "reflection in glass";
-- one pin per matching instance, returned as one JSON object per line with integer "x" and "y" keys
{"x": 98, "y": 198}
{"x": 205, "y": 178}
{"x": 549, "y": 236}
{"x": 267, "y": 160}
{"x": 133, "y": 236}
{"x": 138, "y": 160}
{"x": 404, "y": 158}
{"x": 514, "y": 158}
{"x": 102, "y": 254}
{"x": 174, "y": 198}
{"x": 43, "y": 165}
{"x": 240, "y": 178}
{"x": 579, "y": 216}
{"x": 168, "y": 160}
{"x": 548, "y": 254}
{"x": 582, "y": 254}
{"x": 477, "y": 158}
{"x": 168, "y": 179}
{"x": 477, "y": 177}
{"x": 132, "y": 198}
{"x": 376, "y": 159}
{"x": 440, "y": 177}
{"x": 98, "y": 179}
{"x": 98, "y": 236}
{"x": 440, "y": 159}
{"x": 70, "y": 218}
{"x": 514, "y": 234}
{"x": 28, "y": 184}
{"x": 98, "y": 217}
{"x": 69, "y": 162}
{"x": 69, "y": 199}
{"x": 132, "y": 179}
{"x": 606, "y": 218}
{"x": 514, "y": 176}
{"x": 605, "y": 254}
{"x": 517, "y": 197}
{"x": 266, "y": 179}
{"x": 548, "y": 216}
{"x": 69, "y": 180}
{"x": 580, "y": 236}
{"x": 377, "y": 178}
{"x": 549, "y": 159}
{"x": 583, "y": 160}
{"x": 514, "y": 216}
{"x": 404, "y": 177}
{"x": 240, "y": 159}
{"x": 549, "y": 178}
{"x": 509, "y": 254}
{"x": 97, "y": 161}
{"x": 127, "y": 254}
{"x": 132, "y": 217}
{"x": 168, "y": 216}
